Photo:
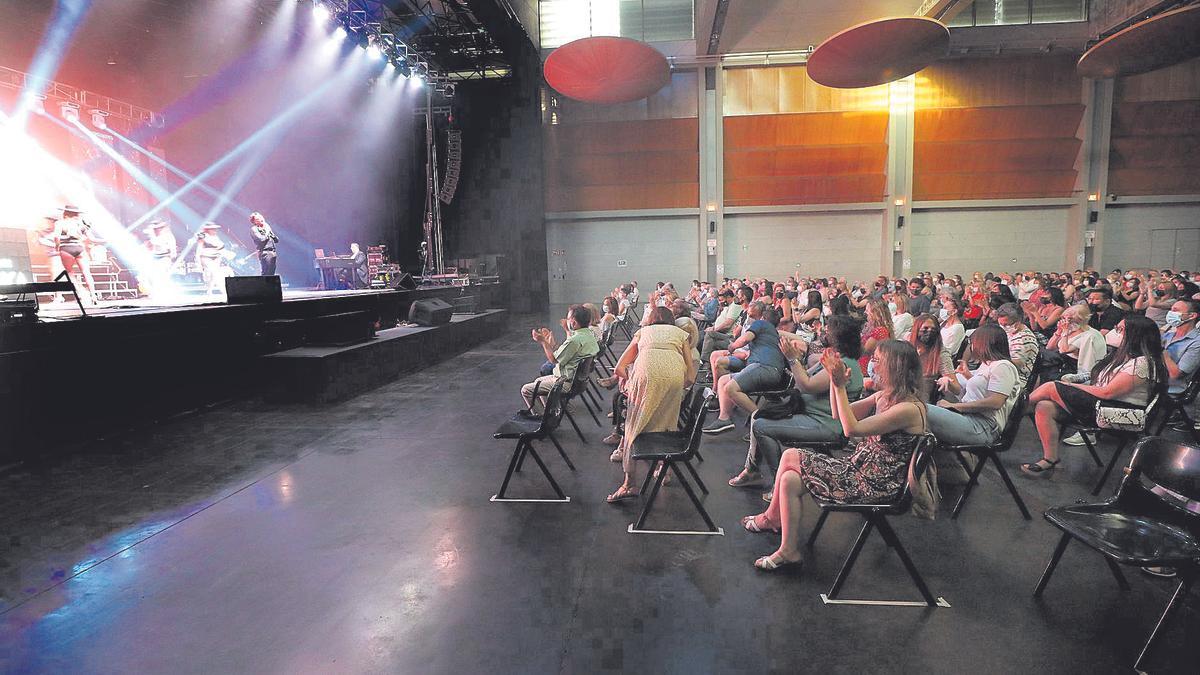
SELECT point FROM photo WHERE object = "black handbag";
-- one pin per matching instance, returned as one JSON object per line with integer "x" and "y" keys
{"x": 790, "y": 403}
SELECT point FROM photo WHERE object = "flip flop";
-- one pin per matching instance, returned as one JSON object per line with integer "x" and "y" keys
{"x": 738, "y": 481}
{"x": 768, "y": 564}
{"x": 622, "y": 494}
{"x": 751, "y": 525}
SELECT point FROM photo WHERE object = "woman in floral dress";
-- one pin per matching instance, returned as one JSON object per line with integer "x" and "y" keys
{"x": 878, "y": 465}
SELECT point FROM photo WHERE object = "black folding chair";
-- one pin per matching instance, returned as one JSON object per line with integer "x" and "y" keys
{"x": 666, "y": 450}
{"x": 579, "y": 385}
{"x": 983, "y": 453}
{"x": 526, "y": 428}
{"x": 1149, "y": 521}
{"x": 1033, "y": 374}
{"x": 1176, "y": 405}
{"x": 875, "y": 515}
{"x": 1123, "y": 437}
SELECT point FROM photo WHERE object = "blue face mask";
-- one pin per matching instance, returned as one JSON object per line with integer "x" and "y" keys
{"x": 1174, "y": 318}
{"x": 892, "y": 307}
{"x": 943, "y": 315}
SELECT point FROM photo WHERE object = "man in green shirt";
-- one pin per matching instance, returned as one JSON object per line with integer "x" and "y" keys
{"x": 720, "y": 334}
{"x": 580, "y": 344}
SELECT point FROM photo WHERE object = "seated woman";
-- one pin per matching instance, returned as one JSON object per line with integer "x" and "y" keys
{"x": 926, "y": 337}
{"x": 1043, "y": 314}
{"x": 656, "y": 368}
{"x": 1075, "y": 347}
{"x": 953, "y": 331}
{"x": 902, "y": 321}
{"x": 815, "y": 422}
{"x": 977, "y": 401}
{"x": 878, "y": 465}
{"x": 609, "y": 311}
{"x": 877, "y": 329}
{"x": 1127, "y": 378}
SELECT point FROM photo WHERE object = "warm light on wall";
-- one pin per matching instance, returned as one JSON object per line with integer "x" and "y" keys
{"x": 1094, "y": 197}
{"x": 899, "y": 201}
{"x": 711, "y": 207}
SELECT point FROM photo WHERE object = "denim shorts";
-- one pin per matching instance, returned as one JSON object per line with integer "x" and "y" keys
{"x": 759, "y": 377}
{"x": 735, "y": 364}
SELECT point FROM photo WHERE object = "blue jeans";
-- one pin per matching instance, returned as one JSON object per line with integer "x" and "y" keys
{"x": 759, "y": 377}
{"x": 953, "y": 428}
{"x": 767, "y": 438}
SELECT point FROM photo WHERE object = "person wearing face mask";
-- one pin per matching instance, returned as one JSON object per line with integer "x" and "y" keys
{"x": 1105, "y": 315}
{"x": 1156, "y": 300}
{"x": 902, "y": 320}
{"x": 1181, "y": 343}
{"x": 579, "y": 344}
{"x": 919, "y": 298}
{"x": 977, "y": 402}
{"x": 1023, "y": 345}
{"x": 936, "y": 363}
{"x": 1043, "y": 316}
{"x": 953, "y": 331}
{"x": 1075, "y": 346}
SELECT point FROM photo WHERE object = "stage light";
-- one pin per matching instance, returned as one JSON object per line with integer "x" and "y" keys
{"x": 70, "y": 112}
{"x": 320, "y": 11}
{"x": 38, "y": 104}
{"x": 340, "y": 31}
{"x": 374, "y": 52}
{"x": 98, "y": 120}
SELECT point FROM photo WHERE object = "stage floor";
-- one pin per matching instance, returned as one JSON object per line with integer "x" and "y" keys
{"x": 358, "y": 537}
{"x": 149, "y": 305}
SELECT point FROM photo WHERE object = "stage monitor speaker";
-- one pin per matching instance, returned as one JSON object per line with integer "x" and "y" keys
{"x": 251, "y": 290}
{"x": 431, "y": 312}
{"x": 405, "y": 282}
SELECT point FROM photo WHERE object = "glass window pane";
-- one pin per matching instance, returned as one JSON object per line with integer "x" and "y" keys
{"x": 1054, "y": 11}
{"x": 561, "y": 21}
{"x": 1001, "y": 12}
{"x": 965, "y": 17}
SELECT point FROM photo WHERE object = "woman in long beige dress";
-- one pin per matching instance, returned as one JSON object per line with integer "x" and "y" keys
{"x": 662, "y": 368}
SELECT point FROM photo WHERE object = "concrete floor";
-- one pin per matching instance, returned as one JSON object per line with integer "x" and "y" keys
{"x": 359, "y": 538}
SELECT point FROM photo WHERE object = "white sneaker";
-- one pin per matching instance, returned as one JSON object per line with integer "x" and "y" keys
{"x": 1077, "y": 439}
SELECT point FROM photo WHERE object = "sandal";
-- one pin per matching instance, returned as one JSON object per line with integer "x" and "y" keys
{"x": 622, "y": 494}
{"x": 746, "y": 479}
{"x": 617, "y": 456}
{"x": 767, "y": 563}
{"x": 751, "y": 525}
{"x": 1039, "y": 467}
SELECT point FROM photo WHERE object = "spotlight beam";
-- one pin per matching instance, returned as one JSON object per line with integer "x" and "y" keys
{"x": 68, "y": 14}
{"x": 284, "y": 120}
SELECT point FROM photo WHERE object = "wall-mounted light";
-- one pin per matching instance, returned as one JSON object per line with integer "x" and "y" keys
{"x": 1094, "y": 197}
{"x": 710, "y": 208}
{"x": 899, "y": 201}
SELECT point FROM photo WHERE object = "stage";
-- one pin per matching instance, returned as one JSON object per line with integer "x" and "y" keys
{"x": 69, "y": 379}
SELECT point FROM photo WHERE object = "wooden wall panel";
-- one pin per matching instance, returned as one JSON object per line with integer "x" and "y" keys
{"x": 806, "y": 161}
{"x": 998, "y": 123}
{"x": 995, "y": 156}
{"x": 1156, "y": 118}
{"x": 1180, "y": 82}
{"x": 767, "y": 191}
{"x": 1144, "y": 152}
{"x": 1155, "y": 146}
{"x": 766, "y": 90}
{"x": 767, "y": 131}
{"x": 625, "y": 164}
{"x": 1026, "y": 184}
{"x": 1021, "y": 80}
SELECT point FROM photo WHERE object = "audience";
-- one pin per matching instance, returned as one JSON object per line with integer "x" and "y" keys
{"x": 720, "y": 333}
{"x": 1074, "y": 347}
{"x": 878, "y": 464}
{"x": 1023, "y": 346}
{"x": 1105, "y": 315}
{"x": 762, "y": 370}
{"x": 1127, "y": 378}
{"x": 926, "y": 338}
{"x": 877, "y": 329}
{"x": 953, "y": 330}
{"x": 902, "y": 321}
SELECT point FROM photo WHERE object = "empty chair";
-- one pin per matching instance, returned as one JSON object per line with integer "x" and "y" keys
{"x": 526, "y": 428}
{"x": 1177, "y": 404}
{"x": 1152, "y": 520}
{"x": 875, "y": 515}
{"x": 1123, "y": 436}
{"x": 984, "y": 453}
{"x": 666, "y": 450}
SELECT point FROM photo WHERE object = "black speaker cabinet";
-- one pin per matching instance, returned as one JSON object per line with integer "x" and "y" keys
{"x": 405, "y": 282}
{"x": 431, "y": 312}
{"x": 251, "y": 290}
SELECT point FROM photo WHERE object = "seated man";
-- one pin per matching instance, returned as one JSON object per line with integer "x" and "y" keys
{"x": 732, "y": 360}
{"x": 1105, "y": 315}
{"x": 1023, "y": 344}
{"x": 764, "y": 370}
{"x": 1181, "y": 347}
{"x": 579, "y": 344}
{"x": 720, "y": 334}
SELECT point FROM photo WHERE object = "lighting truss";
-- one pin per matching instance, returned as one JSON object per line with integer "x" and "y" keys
{"x": 59, "y": 93}
{"x": 464, "y": 48}
{"x": 373, "y": 22}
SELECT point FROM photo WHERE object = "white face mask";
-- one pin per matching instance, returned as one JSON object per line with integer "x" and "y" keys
{"x": 943, "y": 314}
{"x": 892, "y": 308}
{"x": 1174, "y": 318}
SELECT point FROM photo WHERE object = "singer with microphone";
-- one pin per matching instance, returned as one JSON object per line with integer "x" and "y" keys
{"x": 265, "y": 240}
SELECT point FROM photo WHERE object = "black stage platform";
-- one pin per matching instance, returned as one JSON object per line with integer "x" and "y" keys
{"x": 67, "y": 379}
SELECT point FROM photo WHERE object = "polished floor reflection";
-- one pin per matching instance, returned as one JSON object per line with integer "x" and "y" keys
{"x": 359, "y": 538}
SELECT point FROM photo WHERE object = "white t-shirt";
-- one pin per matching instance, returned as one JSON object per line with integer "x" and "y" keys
{"x": 1090, "y": 348}
{"x": 952, "y": 337}
{"x": 999, "y": 377}
{"x": 901, "y": 325}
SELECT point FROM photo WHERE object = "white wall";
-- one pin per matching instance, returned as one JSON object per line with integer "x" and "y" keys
{"x": 1130, "y": 240}
{"x": 583, "y": 255}
{"x": 774, "y": 245}
{"x": 962, "y": 241}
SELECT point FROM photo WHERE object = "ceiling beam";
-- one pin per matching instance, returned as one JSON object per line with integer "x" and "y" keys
{"x": 718, "y": 25}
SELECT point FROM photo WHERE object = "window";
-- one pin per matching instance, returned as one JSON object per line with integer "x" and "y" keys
{"x": 562, "y": 21}
{"x": 1019, "y": 12}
